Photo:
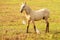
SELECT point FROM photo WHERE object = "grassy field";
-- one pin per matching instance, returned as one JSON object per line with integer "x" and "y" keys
{"x": 11, "y": 27}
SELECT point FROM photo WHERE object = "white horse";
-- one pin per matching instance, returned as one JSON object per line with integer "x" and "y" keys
{"x": 32, "y": 15}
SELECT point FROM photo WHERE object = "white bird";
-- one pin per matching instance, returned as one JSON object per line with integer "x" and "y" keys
{"x": 24, "y": 22}
{"x": 37, "y": 31}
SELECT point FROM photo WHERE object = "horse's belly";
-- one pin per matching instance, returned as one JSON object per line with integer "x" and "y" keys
{"x": 37, "y": 15}
{"x": 36, "y": 18}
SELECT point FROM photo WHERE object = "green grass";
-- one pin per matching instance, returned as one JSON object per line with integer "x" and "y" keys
{"x": 11, "y": 27}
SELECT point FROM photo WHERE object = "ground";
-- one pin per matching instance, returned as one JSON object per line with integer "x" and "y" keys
{"x": 11, "y": 27}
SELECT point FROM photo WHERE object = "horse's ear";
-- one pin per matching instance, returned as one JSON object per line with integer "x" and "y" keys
{"x": 24, "y": 2}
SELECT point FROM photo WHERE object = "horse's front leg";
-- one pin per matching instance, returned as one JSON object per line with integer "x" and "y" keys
{"x": 34, "y": 25}
{"x": 28, "y": 25}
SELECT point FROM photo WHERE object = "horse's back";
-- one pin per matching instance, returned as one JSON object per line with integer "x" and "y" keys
{"x": 39, "y": 14}
{"x": 44, "y": 11}
{"x": 40, "y": 10}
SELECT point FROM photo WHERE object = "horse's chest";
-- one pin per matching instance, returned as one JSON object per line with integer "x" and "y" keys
{"x": 27, "y": 17}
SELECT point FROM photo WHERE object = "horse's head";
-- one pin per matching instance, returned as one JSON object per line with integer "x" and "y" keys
{"x": 22, "y": 7}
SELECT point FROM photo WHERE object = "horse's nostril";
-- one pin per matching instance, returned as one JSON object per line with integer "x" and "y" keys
{"x": 21, "y": 11}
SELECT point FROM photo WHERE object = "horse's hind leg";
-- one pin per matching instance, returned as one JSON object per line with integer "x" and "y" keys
{"x": 28, "y": 25}
{"x": 47, "y": 26}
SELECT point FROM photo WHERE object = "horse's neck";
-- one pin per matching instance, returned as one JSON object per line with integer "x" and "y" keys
{"x": 28, "y": 10}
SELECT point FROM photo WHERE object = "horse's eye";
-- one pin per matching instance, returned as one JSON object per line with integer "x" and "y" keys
{"x": 23, "y": 6}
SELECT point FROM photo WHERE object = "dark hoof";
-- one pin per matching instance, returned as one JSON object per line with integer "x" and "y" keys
{"x": 47, "y": 32}
{"x": 27, "y": 32}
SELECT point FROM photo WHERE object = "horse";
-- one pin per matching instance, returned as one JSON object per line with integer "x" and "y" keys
{"x": 36, "y": 15}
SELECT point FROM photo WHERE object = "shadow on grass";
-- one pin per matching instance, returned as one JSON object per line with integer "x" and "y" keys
{"x": 57, "y": 32}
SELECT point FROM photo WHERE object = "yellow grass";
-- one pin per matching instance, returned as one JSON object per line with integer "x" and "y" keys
{"x": 11, "y": 27}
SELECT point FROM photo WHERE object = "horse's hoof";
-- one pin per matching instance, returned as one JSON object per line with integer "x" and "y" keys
{"x": 47, "y": 32}
{"x": 27, "y": 32}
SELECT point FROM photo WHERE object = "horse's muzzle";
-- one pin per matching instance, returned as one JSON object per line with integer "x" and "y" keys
{"x": 21, "y": 11}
